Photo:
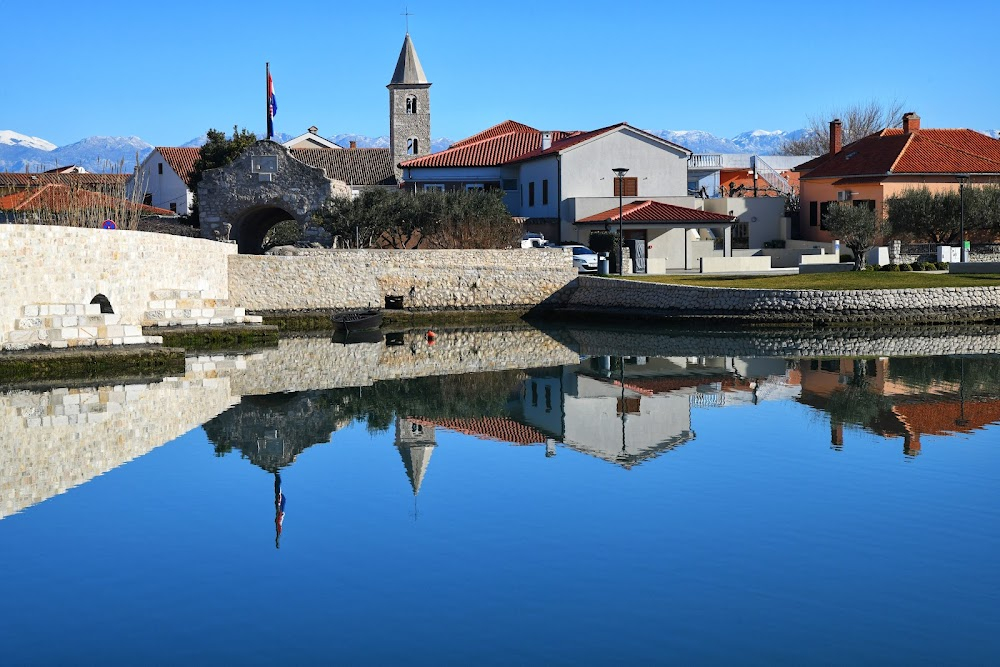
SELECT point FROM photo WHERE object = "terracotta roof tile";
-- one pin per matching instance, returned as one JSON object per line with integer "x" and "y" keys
{"x": 924, "y": 151}
{"x": 503, "y": 429}
{"x": 10, "y": 179}
{"x": 501, "y": 144}
{"x": 654, "y": 211}
{"x": 61, "y": 198}
{"x": 181, "y": 160}
{"x": 354, "y": 166}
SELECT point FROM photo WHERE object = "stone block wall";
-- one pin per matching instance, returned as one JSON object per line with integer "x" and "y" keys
{"x": 938, "y": 304}
{"x": 59, "y": 267}
{"x": 426, "y": 279}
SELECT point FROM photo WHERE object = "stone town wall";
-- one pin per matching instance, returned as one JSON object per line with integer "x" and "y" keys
{"x": 640, "y": 298}
{"x": 426, "y": 279}
{"x": 69, "y": 265}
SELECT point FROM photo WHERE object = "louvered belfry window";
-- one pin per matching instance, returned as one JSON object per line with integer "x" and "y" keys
{"x": 630, "y": 185}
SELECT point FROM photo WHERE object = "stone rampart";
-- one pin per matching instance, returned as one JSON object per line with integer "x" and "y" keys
{"x": 942, "y": 304}
{"x": 426, "y": 279}
{"x": 69, "y": 266}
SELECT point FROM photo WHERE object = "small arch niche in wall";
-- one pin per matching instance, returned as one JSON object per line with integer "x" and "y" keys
{"x": 105, "y": 304}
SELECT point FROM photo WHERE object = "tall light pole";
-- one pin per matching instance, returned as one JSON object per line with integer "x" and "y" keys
{"x": 620, "y": 173}
{"x": 962, "y": 179}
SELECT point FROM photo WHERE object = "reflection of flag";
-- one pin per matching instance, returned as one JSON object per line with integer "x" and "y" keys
{"x": 272, "y": 104}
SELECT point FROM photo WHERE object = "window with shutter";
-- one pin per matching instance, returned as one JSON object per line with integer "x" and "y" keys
{"x": 630, "y": 184}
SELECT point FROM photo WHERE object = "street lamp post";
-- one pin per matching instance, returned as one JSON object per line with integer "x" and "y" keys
{"x": 620, "y": 173}
{"x": 962, "y": 179}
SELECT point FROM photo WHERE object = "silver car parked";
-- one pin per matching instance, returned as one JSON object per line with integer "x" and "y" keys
{"x": 584, "y": 258}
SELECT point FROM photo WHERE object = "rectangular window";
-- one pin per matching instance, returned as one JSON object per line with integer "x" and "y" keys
{"x": 474, "y": 186}
{"x": 433, "y": 187}
{"x": 813, "y": 214}
{"x": 531, "y": 193}
{"x": 173, "y": 206}
{"x": 159, "y": 167}
{"x": 630, "y": 184}
{"x": 824, "y": 209}
{"x": 509, "y": 183}
{"x": 147, "y": 199}
{"x": 545, "y": 192}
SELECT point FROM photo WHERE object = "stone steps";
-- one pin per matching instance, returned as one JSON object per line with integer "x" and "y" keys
{"x": 173, "y": 308}
{"x": 65, "y": 325}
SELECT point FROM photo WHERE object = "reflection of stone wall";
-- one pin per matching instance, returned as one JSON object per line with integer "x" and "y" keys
{"x": 54, "y": 440}
{"x": 299, "y": 364}
{"x": 944, "y": 304}
{"x": 983, "y": 339}
{"x": 426, "y": 279}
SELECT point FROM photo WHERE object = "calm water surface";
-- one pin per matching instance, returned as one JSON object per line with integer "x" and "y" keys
{"x": 513, "y": 497}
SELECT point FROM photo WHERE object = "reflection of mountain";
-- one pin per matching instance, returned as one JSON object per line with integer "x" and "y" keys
{"x": 272, "y": 430}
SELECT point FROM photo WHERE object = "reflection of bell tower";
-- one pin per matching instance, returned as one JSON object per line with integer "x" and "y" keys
{"x": 409, "y": 108}
{"x": 415, "y": 442}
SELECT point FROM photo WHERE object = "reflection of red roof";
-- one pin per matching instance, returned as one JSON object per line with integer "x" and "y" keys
{"x": 942, "y": 417}
{"x": 664, "y": 384}
{"x": 181, "y": 160}
{"x": 503, "y": 429}
{"x": 654, "y": 211}
{"x": 60, "y": 198}
{"x": 922, "y": 151}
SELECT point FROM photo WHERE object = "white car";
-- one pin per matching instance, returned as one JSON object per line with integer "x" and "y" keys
{"x": 584, "y": 258}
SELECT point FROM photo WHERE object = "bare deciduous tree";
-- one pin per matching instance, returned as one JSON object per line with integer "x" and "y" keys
{"x": 859, "y": 120}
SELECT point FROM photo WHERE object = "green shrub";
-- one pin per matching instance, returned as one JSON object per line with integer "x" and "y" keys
{"x": 942, "y": 266}
{"x": 894, "y": 267}
{"x": 905, "y": 267}
{"x": 916, "y": 266}
{"x": 871, "y": 267}
{"x": 930, "y": 266}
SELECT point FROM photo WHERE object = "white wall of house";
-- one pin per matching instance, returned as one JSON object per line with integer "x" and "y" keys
{"x": 166, "y": 188}
{"x": 763, "y": 215}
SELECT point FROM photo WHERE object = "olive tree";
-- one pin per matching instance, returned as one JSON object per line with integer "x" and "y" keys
{"x": 921, "y": 215}
{"x": 857, "y": 227}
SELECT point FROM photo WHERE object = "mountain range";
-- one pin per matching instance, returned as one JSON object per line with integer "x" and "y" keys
{"x": 20, "y": 152}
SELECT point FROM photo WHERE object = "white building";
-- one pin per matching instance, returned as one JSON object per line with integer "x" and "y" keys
{"x": 165, "y": 178}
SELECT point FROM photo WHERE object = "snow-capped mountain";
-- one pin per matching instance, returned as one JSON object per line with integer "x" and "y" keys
{"x": 10, "y": 138}
{"x": 697, "y": 141}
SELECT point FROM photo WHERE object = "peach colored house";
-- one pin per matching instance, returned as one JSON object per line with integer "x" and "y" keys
{"x": 886, "y": 163}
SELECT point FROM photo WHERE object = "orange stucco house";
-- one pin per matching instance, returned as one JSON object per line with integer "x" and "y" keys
{"x": 884, "y": 164}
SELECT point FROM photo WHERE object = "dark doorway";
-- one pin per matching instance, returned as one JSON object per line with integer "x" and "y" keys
{"x": 105, "y": 304}
{"x": 252, "y": 227}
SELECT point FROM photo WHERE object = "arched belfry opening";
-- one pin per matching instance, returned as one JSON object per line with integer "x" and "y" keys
{"x": 252, "y": 226}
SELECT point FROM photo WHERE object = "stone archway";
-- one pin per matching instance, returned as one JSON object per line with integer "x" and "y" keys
{"x": 265, "y": 185}
{"x": 252, "y": 226}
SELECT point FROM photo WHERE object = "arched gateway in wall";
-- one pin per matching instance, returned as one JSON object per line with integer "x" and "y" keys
{"x": 262, "y": 187}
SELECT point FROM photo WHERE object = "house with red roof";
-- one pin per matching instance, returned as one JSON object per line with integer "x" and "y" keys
{"x": 870, "y": 170}
{"x": 563, "y": 185}
{"x": 165, "y": 178}
{"x": 55, "y": 199}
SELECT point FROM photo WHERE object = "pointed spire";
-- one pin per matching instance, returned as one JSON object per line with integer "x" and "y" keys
{"x": 415, "y": 460}
{"x": 408, "y": 69}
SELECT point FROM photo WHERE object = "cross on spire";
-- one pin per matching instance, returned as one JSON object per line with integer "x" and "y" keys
{"x": 407, "y": 14}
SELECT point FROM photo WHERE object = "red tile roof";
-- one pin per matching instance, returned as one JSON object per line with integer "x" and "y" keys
{"x": 503, "y": 429}
{"x": 654, "y": 211}
{"x": 10, "y": 179}
{"x": 181, "y": 160}
{"x": 61, "y": 198}
{"x": 923, "y": 151}
{"x": 500, "y": 144}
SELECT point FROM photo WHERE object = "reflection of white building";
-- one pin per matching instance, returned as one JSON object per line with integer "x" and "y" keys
{"x": 624, "y": 416}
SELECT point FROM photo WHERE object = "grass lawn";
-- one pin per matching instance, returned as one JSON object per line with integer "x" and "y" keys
{"x": 849, "y": 280}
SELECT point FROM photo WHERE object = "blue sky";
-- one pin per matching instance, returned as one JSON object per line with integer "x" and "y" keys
{"x": 167, "y": 71}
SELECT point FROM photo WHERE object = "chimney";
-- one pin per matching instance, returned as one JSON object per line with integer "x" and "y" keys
{"x": 911, "y": 122}
{"x": 546, "y": 140}
{"x": 354, "y": 144}
{"x": 836, "y": 136}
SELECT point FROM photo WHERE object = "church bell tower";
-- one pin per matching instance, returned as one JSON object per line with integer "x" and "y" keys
{"x": 409, "y": 108}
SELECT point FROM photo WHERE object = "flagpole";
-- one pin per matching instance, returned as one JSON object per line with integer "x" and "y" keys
{"x": 267, "y": 98}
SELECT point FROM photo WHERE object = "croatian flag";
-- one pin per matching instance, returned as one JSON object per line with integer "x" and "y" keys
{"x": 272, "y": 105}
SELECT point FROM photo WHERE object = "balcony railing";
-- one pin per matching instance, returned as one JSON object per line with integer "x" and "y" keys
{"x": 705, "y": 161}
